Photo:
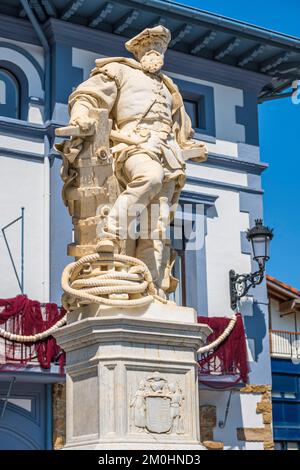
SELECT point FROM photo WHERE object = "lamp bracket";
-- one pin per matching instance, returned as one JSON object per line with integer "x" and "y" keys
{"x": 240, "y": 284}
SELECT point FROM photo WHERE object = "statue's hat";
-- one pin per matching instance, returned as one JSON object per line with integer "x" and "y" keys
{"x": 150, "y": 38}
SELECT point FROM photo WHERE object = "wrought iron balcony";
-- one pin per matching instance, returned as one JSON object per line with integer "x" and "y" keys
{"x": 285, "y": 344}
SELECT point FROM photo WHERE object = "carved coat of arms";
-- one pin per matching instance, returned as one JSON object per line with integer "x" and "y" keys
{"x": 157, "y": 406}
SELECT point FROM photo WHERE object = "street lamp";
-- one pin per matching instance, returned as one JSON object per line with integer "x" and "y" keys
{"x": 260, "y": 237}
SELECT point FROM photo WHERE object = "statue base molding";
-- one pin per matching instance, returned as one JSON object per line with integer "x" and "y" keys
{"x": 132, "y": 379}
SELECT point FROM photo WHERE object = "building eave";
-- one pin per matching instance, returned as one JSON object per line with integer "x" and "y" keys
{"x": 195, "y": 32}
{"x": 287, "y": 296}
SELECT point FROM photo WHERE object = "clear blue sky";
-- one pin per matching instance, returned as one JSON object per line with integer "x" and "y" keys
{"x": 279, "y": 123}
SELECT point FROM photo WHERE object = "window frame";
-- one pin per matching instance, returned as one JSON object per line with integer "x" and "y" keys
{"x": 193, "y": 261}
{"x": 14, "y": 79}
{"x": 21, "y": 79}
{"x": 203, "y": 96}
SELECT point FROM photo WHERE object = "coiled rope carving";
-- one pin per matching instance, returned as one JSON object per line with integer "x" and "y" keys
{"x": 130, "y": 276}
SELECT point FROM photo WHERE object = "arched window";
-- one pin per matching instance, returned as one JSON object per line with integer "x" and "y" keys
{"x": 9, "y": 95}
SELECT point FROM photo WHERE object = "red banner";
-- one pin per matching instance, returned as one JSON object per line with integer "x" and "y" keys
{"x": 230, "y": 357}
{"x": 23, "y": 316}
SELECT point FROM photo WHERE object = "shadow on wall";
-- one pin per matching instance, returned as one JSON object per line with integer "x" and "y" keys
{"x": 256, "y": 329}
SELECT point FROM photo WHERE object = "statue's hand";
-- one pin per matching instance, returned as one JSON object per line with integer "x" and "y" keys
{"x": 84, "y": 123}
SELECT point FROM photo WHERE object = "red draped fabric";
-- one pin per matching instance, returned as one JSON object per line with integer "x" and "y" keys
{"x": 23, "y": 316}
{"x": 230, "y": 357}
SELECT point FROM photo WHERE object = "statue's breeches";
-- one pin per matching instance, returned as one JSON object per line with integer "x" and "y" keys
{"x": 145, "y": 178}
{"x": 145, "y": 196}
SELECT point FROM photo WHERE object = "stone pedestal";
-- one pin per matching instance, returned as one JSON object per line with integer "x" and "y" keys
{"x": 132, "y": 377}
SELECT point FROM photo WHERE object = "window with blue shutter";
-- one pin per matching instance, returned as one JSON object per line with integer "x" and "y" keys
{"x": 9, "y": 95}
{"x": 199, "y": 104}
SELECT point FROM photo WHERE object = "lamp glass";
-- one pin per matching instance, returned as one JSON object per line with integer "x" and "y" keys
{"x": 260, "y": 247}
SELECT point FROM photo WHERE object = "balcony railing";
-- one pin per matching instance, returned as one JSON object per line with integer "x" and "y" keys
{"x": 285, "y": 344}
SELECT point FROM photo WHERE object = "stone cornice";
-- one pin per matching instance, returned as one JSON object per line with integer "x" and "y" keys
{"x": 93, "y": 331}
{"x": 232, "y": 163}
{"x": 221, "y": 185}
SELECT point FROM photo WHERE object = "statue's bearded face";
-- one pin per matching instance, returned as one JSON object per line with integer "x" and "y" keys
{"x": 151, "y": 61}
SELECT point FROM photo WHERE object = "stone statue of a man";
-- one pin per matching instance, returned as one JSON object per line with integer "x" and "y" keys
{"x": 151, "y": 140}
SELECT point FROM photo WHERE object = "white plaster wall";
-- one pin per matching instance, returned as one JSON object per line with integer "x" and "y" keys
{"x": 226, "y": 100}
{"x": 36, "y": 51}
{"x": 34, "y": 82}
{"x": 35, "y": 113}
{"x": 21, "y": 144}
{"x": 253, "y": 446}
{"x": 217, "y": 174}
{"x": 249, "y": 152}
{"x": 223, "y": 147}
{"x": 84, "y": 60}
{"x": 22, "y": 185}
{"x": 242, "y": 413}
{"x": 223, "y": 253}
{"x": 286, "y": 323}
